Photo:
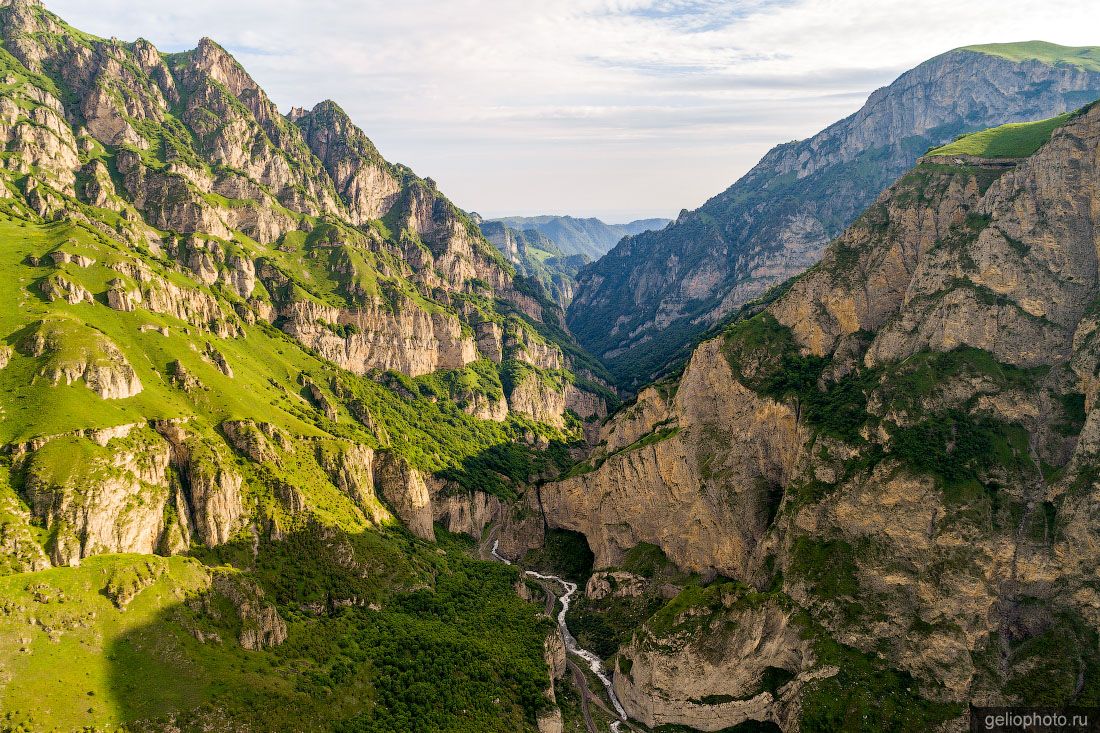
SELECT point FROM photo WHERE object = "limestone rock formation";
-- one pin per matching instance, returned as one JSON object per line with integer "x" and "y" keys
{"x": 714, "y": 670}
{"x": 261, "y": 625}
{"x": 903, "y": 443}
{"x": 403, "y": 487}
{"x": 69, "y": 351}
{"x": 698, "y": 483}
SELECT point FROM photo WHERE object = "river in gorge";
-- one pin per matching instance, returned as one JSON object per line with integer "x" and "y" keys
{"x": 593, "y": 660}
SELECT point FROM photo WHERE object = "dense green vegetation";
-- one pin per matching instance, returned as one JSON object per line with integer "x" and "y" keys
{"x": 397, "y": 647}
{"x": 1014, "y": 140}
{"x": 604, "y": 625}
{"x": 565, "y": 553}
{"x": 1060, "y": 665}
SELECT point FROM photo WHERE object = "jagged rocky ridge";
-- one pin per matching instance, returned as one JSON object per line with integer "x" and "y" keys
{"x": 247, "y": 338}
{"x": 898, "y": 454}
{"x": 644, "y": 305}
{"x": 165, "y": 216}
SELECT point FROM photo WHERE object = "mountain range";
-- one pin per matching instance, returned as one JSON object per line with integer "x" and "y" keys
{"x": 590, "y": 237}
{"x": 292, "y": 443}
{"x": 642, "y": 306}
{"x": 894, "y": 462}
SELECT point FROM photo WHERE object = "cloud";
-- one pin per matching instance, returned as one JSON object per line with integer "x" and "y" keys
{"x": 612, "y": 107}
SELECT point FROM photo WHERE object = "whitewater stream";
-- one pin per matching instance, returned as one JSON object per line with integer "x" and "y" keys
{"x": 594, "y": 662}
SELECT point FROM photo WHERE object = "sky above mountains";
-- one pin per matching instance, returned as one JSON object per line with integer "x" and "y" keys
{"x": 620, "y": 109}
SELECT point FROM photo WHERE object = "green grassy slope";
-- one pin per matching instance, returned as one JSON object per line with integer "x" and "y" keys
{"x": 385, "y": 632}
{"x": 1085, "y": 57}
{"x": 1014, "y": 140}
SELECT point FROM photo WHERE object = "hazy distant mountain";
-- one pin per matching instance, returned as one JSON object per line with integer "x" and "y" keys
{"x": 574, "y": 236}
{"x": 537, "y": 257}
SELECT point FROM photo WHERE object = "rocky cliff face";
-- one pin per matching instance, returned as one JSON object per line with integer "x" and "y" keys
{"x": 537, "y": 257}
{"x": 901, "y": 446}
{"x": 643, "y": 304}
{"x": 716, "y": 668}
{"x": 694, "y": 473}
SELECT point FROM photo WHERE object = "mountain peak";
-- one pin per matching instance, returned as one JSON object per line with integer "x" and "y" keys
{"x": 708, "y": 264}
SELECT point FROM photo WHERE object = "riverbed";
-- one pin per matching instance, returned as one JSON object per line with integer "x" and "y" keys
{"x": 593, "y": 660}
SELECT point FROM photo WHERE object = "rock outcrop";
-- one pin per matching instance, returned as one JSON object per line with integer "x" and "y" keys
{"x": 404, "y": 489}
{"x": 261, "y": 627}
{"x": 697, "y": 483}
{"x": 70, "y": 351}
{"x": 715, "y": 669}
{"x": 103, "y": 501}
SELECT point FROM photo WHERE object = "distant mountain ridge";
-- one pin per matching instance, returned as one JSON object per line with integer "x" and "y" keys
{"x": 591, "y": 237}
{"x": 644, "y": 304}
{"x": 553, "y": 249}
{"x": 535, "y": 256}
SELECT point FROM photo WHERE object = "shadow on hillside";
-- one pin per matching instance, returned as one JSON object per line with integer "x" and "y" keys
{"x": 385, "y": 632}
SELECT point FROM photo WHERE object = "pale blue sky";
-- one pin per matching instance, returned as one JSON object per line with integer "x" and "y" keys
{"x": 612, "y": 108}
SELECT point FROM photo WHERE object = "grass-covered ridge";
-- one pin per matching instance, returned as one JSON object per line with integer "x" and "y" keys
{"x": 1014, "y": 140}
{"x": 1084, "y": 57}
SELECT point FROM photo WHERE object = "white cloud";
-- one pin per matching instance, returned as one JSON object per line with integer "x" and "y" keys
{"x": 607, "y": 107}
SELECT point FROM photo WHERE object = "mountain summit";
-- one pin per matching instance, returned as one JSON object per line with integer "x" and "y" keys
{"x": 640, "y": 306}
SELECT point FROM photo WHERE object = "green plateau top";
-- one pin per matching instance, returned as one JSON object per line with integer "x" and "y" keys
{"x": 1085, "y": 57}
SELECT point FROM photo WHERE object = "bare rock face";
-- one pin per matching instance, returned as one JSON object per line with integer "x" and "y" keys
{"x": 254, "y": 440}
{"x": 364, "y": 180}
{"x": 614, "y": 584}
{"x": 484, "y": 407}
{"x": 586, "y": 405}
{"x": 261, "y": 625}
{"x": 218, "y": 359}
{"x": 539, "y": 396}
{"x": 409, "y": 340}
{"x": 109, "y": 501}
{"x": 351, "y": 469}
{"x": 213, "y": 488}
{"x": 466, "y": 513}
{"x": 158, "y": 294}
{"x": 715, "y": 670}
{"x": 550, "y": 721}
{"x": 700, "y": 489}
{"x": 404, "y": 489}
{"x": 71, "y": 351}
{"x": 524, "y": 346}
{"x": 59, "y": 287}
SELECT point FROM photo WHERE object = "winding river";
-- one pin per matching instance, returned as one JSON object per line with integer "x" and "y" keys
{"x": 594, "y": 662}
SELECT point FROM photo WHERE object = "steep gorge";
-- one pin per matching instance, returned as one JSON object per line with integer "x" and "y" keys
{"x": 896, "y": 456}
